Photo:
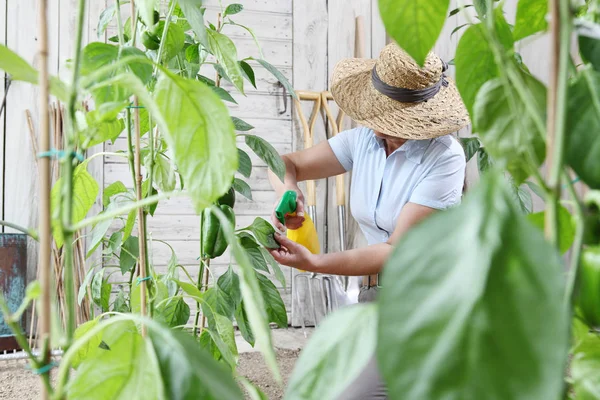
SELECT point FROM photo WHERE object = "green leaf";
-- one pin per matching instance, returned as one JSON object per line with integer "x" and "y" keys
{"x": 484, "y": 161}
{"x": 536, "y": 189}
{"x": 475, "y": 63}
{"x": 190, "y": 289}
{"x": 242, "y": 188}
{"x": 257, "y": 259}
{"x": 100, "y": 132}
{"x": 128, "y": 227}
{"x": 223, "y": 335}
{"x": 226, "y": 53}
{"x": 414, "y": 25}
{"x": 141, "y": 69}
{"x": 106, "y": 17}
{"x": 120, "y": 304}
{"x": 263, "y": 231}
{"x": 525, "y": 200}
{"x": 471, "y": 146}
{"x": 85, "y": 191}
{"x": 583, "y": 124}
{"x": 233, "y": 9}
{"x": 458, "y": 9}
{"x": 481, "y": 7}
{"x": 164, "y": 174}
{"x": 508, "y": 132}
{"x": 223, "y": 94}
{"x": 195, "y": 17}
{"x": 266, "y": 152}
{"x": 280, "y": 77}
{"x": 590, "y": 50}
{"x": 173, "y": 312}
{"x": 251, "y": 32}
{"x": 248, "y": 72}
{"x": 84, "y": 285}
{"x": 275, "y": 307}
{"x": 98, "y": 235}
{"x": 458, "y": 28}
{"x": 243, "y": 324}
{"x": 146, "y": 11}
{"x": 531, "y": 18}
{"x": 112, "y": 190}
{"x": 189, "y": 372}
{"x": 174, "y": 41}
{"x": 244, "y": 163}
{"x": 336, "y": 354}
{"x": 241, "y": 125}
{"x": 219, "y": 302}
{"x": 128, "y": 370}
{"x": 130, "y": 251}
{"x": 206, "y": 342}
{"x": 585, "y": 365}
{"x": 115, "y": 241}
{"x": 493, "y": 299}
{"x": 253, "y": 391}
{"x": 100, "y": 290}
{"x": 274, "y": 266}
{"x": 192, "y": 54}
{"x": 566, "y": 227}
{"x": 16, "y": 67}
{"x": 91, "y": 346}
{"x": 229, "y": 283}
{"x": 202, "y": 138}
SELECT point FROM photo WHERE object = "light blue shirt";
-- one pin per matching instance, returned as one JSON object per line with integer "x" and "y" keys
{"x": 427, "y": 172}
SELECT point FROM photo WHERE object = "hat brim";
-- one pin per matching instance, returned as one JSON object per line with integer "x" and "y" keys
{"x": 355, "y": 94}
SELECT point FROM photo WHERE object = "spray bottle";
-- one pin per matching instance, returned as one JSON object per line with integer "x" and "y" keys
{"x": 306, "y": 235}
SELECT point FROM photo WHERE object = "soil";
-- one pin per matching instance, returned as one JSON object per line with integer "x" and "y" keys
{"x": 19, "y": 383}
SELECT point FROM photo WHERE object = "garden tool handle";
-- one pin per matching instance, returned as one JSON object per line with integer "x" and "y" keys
{"x": 308, "y": 130}
{"x": 340, "y": 194}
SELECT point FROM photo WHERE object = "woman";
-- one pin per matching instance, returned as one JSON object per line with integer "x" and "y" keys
{"x": 404, "y": 165}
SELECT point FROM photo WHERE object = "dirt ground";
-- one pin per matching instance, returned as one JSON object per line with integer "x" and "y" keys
{"x": 18, "y": 383}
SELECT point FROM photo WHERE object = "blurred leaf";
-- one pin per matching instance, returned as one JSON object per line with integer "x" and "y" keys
{"x": 471, "y": 146}
{"x": 483, "y": 160}
{"x": 226, "y": 53}
{"x": 509, "y": 133}
{"x": 130, "y": 251}
{"x": 204, "y": 141}
{"x": 229, "y": 283}
{"x": 253, "y": 391}
{"x": 566, "y": 227}
{"x": 414, "y": 25}
{"x": 233, "y": 9}
{"x": 536, "y": 189}
{"x": 98, "y": 233}
{"x": 101, "y": 290}
{"x": 525, "y": 200}
{"x": 241, "y": 125}
{"x": 115, "y": 241}
{"x": 336, "y": 354}
{"x": 206, "y": 342}
{"x": 494, "y": 298}
{"x": 105, "y": 19}
{"x": 221, "y": 331}
{"x": 458, "y": 9}
{"x": 280, "y": 77}
{"x": 90, "y": 348}
{"x": 585, "y": 365}
{"x": 85, "y": 191}
{"x": 590, "y": 51}
{"x": 164, "y": 174}
{"x": 146, "y": 11}
{"x": 275, "y": 307}
{"x": 531, "y": 18}
{"x": 219, "y": 302}
{"x": 244, "y": 163}
{"x": 120, "y": 304}
{"x": 192, "y": 54}
{"x": 266, "y": 152}
{"x": 84, "y": 285}
{"x": 223, "y": 94}
{"x": 16, "y": 67}
{"x": 583, "y": 124}
{"x": 248, "y": 72}
{"x": 173, "y": 42}
{"x": 128, "y": 227}
{"x": 475, "y": 63}
{"x": 193, "y": 12}
{"x": 242, "y": 188}
{"x": 458, "y": 28}
{"x": 274, "y": 266}
{"x": 173, "y": 312}
{"x": 243, "y": 324}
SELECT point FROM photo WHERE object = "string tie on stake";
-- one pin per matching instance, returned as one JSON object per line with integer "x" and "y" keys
{"x": 58, "y": 154}
{"x": 140, "y": 280}
{"x": 43, "y": 369}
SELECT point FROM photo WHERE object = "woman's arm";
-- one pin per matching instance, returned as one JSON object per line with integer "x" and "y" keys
{"x": 357, "y": 262}
{"x": 314, "y": 163}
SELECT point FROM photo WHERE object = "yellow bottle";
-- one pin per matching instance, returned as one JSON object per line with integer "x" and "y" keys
{"x": 306, "y": 235}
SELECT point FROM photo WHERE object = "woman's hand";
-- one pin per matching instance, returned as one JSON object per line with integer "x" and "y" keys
{"x": 291, "y": 222}
{"x": 293, "y": 254}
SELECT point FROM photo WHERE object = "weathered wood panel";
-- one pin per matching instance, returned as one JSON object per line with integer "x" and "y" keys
{"x": 3, "y": 82}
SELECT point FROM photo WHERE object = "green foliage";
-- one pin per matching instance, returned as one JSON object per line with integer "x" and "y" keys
{"x": 204, "y": 160}
{"x": 263, "y": 231}
{"x": 174, "y": 40}
{"x": 226, "y": 53}
{"x": 583, "y": 141}
{"x": 266, "y": 152}
{"x": 273, "y": 302}
{"x": 244, "y": 163}
{"x": 233, "y": 9}
{"x": 590, "y": 50}
{"x": 173, "y": 312}
{"x": 566, "y": 227}
{"x": 588, "y": 296}
{"x": 195, "y": 17}
{"x": 531, "y": 18}
{"x": 242, "y": 188}
{"x": 414, "y": 24}
{"x": 326, "y": 367}
{"x": 129, "y": 254}
{"x": 494, "y": 299}
{"x": 241, "y": 125}
{"x": 584, "y": 367}
{"x": 280, "y": 77}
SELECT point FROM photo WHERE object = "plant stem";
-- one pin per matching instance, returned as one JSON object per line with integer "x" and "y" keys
{"x": 560, "y": 30}
{"x": 130, "y": 156}
{"x": 106, "y": 153}
{"x": 163, "y": 38}
{"x": 45, "y": 248}
{"x": 19, "y": 228}
{"x": 67, "y": 182}
{"x": 200, "y": 273}
{"x": 119, "y": 26}
{"x": 201, "y": 286}
{"x": 22, "y": 341}
{"x": 572, "y": 273}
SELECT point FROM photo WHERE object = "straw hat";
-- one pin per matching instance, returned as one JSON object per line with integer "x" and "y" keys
{"x": 393, "y": 95}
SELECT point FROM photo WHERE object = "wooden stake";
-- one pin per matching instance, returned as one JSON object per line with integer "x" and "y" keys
{"x": 44, "y": 194}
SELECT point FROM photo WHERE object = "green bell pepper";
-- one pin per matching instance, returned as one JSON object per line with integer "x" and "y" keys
{"x": 588, "y": 296}
{"x": 214, "y": 242}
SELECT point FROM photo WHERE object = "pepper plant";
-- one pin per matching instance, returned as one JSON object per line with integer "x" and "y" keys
{"x": 478, "y": 302}
{"x": 178, "y": 127}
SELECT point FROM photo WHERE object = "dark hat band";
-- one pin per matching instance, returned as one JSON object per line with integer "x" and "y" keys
{"x": 408, "y": 95}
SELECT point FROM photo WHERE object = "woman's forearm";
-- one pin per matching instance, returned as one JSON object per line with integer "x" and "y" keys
{"x": 356, "y": 262}
{"x": 290, "y": 180}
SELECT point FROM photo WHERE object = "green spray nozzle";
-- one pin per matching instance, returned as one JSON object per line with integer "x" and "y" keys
{"x": 286, "y": 205}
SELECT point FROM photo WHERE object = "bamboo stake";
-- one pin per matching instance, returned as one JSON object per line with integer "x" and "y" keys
{"x": 44, "y": 200}
{"x": 138, "y": 189}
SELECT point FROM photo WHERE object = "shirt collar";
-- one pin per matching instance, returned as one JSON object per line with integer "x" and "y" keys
{"x": 414, "y": 149}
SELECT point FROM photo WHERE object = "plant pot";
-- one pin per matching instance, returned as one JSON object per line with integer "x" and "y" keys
{"x": 13, "y": 276}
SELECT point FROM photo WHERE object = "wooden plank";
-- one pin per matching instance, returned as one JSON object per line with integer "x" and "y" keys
{"x": 266, "y": 83}
{"x": 3, "y": 81}
{"x": 261, "y": 204}
{"x": 310, "y": 73}
{"x": 264, "y": 25}
{"x": 120, "y": 145}
{"x": 268, "y": 6}
{"x": 378, "y": 35}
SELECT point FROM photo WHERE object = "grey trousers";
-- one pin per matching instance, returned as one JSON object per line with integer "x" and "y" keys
{"x": 368, "y": 385}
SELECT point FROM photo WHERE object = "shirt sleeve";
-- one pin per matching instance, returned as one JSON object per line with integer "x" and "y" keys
{"x": 442, "y": 186}
{"x": 344, "y": 146}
